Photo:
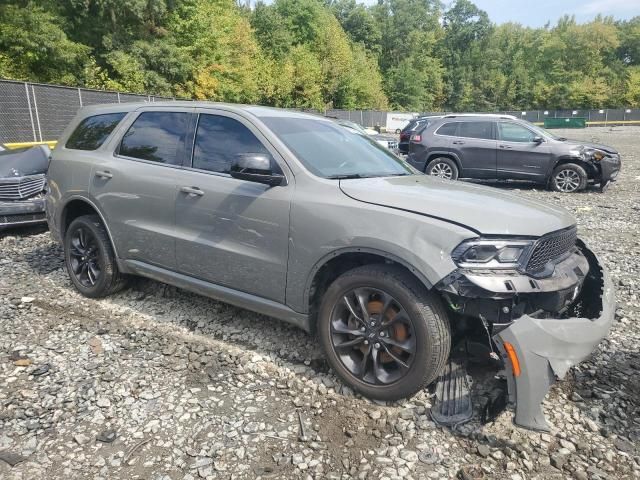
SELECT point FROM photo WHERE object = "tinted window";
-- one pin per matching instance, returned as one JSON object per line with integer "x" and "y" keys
{"x": 219, "y": 140}
{"x": 476, "y": 130}
{"x": 448, "y": 129}
{"x": 417, "y": 125}
{"x": 512, "y": 132}
{"x": 156, "y": 136}
{"x": 91, "y": 133}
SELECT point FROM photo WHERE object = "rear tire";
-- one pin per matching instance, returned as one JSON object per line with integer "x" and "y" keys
{"x": 89, "y": 258}
{"x": 442, "y": 167}
{"x": 568, "y": 178}
{"x": 400, "y": 310}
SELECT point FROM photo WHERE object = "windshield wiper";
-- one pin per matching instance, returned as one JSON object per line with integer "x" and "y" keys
{"x": 346, "y": 176}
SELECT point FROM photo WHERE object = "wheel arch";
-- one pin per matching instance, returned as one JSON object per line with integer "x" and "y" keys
{"x": 334, "y": 264}
{"x": 76, "y": 207}
{"x": 591, "y": 169}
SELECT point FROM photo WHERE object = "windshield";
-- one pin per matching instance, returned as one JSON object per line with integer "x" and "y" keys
{"x": 331, "y": 151}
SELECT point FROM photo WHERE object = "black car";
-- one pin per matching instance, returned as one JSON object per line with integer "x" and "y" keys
{"x": 485, "y": 146}
{"x": 417, "y": 124}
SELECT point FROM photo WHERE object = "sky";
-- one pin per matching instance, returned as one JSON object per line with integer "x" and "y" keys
{"x": 536, "y": 13}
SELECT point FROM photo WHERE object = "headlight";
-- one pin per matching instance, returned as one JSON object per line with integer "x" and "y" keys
{"x": 497, "y": 253}
{"x": 593, "y": 154}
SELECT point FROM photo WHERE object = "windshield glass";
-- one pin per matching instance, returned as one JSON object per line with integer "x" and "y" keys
{"x": 331, "y": 151}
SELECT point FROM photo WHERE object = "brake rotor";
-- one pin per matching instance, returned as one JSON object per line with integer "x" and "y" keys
{"x": 398, "y": 331}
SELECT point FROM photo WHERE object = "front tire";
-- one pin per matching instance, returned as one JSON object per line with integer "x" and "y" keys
{"x": 442, "y": 167}
{"x": 569, "y": 178}
{"x": 89, "y": 258}
{"x": 383, "y": 333}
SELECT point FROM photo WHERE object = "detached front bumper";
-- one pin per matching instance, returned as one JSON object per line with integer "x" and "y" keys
{"x": 545, "y": 348}
{"x": 22, "y": 212}
{"x": 609, "y": 169}
{"x": 537, "y": 345}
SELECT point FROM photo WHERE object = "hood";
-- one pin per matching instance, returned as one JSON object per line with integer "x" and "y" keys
{"x": 484, "y": 210}
{"x": 578, "y": 143}
{"x": 24, "y": 161}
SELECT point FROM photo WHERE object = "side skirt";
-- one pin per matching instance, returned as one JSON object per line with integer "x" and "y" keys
{"x": 217, "y": 292}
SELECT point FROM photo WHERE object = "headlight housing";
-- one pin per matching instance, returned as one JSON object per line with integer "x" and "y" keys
{"x": 589, "y": 153}
{"x": 492, "y": 253}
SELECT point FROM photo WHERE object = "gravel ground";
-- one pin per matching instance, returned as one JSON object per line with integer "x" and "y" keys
{"x": 157, "y": 383}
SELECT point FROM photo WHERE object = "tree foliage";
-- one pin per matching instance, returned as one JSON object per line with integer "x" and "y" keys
{"x": 404, "y": 54}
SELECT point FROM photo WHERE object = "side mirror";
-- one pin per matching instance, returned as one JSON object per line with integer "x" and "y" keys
{"x": 255, "y": 167}
{"x": 538, "y": 139}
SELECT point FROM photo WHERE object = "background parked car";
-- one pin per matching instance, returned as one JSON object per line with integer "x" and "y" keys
{"x": 387, "y": 141}
{"x": 22, "y": 185}
{"x": 417, "y": 124}
{"x": 485, "y": 146}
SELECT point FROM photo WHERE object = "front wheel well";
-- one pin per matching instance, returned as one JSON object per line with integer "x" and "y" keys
{"x": 591, "y": 169}
{"x": 341, "y": 264}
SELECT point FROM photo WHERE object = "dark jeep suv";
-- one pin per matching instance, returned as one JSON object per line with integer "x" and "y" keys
{"x": 504, "y": 147}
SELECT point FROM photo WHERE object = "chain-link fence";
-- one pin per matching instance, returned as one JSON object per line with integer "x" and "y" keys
{"x": 31, "y": 112}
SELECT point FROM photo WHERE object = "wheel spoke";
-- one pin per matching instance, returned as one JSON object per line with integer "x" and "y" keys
{"x": 378, "y": 370}
{"x": 362, "y": 299}
{"x": 408, "y": 346}
{"x": 93, "y": 272}
{"x": 352, "y": 310}
{"x": 340, "y": 327}
{"x": 363, "y": 363}
{"x": 350, "y": 343}
{"x": 395, "y": 357}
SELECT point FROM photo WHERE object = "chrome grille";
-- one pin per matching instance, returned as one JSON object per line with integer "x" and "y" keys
{"x": 551, "y": 247}
{"x": 19, "y": 188}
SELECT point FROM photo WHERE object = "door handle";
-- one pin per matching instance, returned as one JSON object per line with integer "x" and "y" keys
{"x": 505, "y": 146}
{"x": 192, "y": 191}
{"x": 104, "y": 174}
{"x": 458, "y": 142}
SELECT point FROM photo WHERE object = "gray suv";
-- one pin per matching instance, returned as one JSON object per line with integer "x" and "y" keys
{"x": 297, "y": 218}
{"x": 485, "y": 146}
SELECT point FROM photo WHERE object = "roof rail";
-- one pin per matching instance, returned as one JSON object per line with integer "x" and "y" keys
{"x": 492, "y": 115}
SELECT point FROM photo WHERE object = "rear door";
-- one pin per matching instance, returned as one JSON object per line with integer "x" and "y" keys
{"x": 232, "y": 232}
{"x": 519, "y": 156}
{"x": 135, "y": 186}
{"x": 475, "y": 145}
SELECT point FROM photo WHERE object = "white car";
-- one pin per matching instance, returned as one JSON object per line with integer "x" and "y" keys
{"x": 386, "y": 141}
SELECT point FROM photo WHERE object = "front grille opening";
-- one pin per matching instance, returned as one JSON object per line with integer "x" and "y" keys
{"x": 552, "y": 247}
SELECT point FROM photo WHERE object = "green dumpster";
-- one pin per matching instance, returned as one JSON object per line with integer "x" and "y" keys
{"x": 565, "y": 122}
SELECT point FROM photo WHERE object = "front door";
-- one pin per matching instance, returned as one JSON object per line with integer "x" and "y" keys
{"x": 520, "y": 156}
{"x": 136, "y": 188}
{"x": 232, "y": 232}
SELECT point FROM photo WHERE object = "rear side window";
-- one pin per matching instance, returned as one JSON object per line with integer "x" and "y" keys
{"x": 91, "y": 133}
{"x": 482, "y": 130}
{"x": 448, "y": 129}
{"x": 219, "y": 140}
{"x": 157, "y": 137}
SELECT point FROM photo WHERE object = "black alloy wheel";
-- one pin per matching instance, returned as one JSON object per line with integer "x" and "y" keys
{"x": 373, "y": 336}
{"x": 84, "y": 259}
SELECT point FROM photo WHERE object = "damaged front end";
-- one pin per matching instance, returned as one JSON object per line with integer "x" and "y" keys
{"x": 23, "y": 185}
{"x": 545, "y": 308}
